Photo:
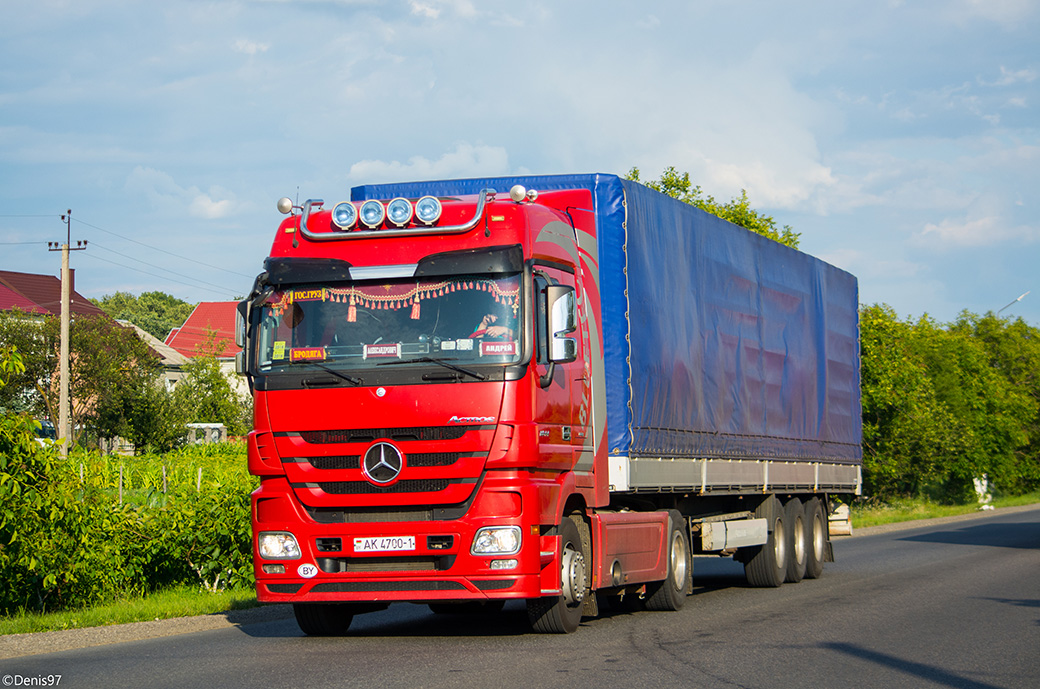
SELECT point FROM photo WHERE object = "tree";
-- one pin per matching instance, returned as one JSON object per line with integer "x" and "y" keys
{"x": 107, "y": 363}
{"x": 206, "y": 396}
{"x": 156, "y": 313}
{"x": 737, "y": 211}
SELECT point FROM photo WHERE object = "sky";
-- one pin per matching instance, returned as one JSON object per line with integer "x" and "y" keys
{"x": 900, "y": 138}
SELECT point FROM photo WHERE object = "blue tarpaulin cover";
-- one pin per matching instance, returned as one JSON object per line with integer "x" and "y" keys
{"x": 718, "y": 342}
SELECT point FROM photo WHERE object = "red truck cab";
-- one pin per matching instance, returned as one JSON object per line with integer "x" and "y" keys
{"x": 425, "y": 415}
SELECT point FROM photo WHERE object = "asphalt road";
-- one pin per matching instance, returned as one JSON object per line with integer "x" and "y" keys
{"x": 951, "y": 604}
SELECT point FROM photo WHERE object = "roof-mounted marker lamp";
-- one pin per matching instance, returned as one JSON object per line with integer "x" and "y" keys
{"x": 518, "y": 193}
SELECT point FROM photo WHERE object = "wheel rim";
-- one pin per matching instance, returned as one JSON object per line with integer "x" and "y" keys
{"x": 817, "y": 537}
{"x": 800, "y": 545}
{"x": 573, "y": 575}
{"x": 780, "y": 543}
{"x": 678, "y": 556}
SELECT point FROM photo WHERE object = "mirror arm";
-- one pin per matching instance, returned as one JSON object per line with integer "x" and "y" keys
{"x": 546, "y": 380}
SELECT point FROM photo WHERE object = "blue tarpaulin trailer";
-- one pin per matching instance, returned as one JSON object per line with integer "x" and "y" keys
{"x": 731, "y": 361}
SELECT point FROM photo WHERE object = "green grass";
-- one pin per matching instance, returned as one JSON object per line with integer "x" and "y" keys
{"x": 908, "y": 510}
{"x": 178, "y": 602}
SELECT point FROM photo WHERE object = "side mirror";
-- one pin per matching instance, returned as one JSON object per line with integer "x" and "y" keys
{"x": 241, "y": 319}
{"x": 563, "y": 320}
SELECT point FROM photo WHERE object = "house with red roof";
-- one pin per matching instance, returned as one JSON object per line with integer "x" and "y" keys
{"x": 210, "y": 329}
{"x": 42, "y": 294}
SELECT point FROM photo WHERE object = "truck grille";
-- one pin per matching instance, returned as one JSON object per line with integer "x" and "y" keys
{"x": 366, "y": 488}
{"x": 367, "y": 435}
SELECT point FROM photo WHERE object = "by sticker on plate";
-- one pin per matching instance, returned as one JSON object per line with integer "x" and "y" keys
{"x": 307, "y": 570}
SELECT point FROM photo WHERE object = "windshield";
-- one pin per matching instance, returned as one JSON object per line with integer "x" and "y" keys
{"x": 470, "y": 318}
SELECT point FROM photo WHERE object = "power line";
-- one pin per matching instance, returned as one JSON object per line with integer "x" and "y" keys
{"x": 152, "y": 265}
{"x": 170, "y": 253}
{"x": 150, "y": 274}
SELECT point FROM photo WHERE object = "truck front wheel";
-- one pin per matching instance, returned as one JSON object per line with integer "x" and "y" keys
{"x": 323, "y": 619}
{"x": 562, "y": 614}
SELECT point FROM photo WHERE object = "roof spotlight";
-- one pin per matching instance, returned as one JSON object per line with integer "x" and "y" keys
{"x": 399, "y": 212}
{"x": 428, "y": 210}
{"x": 344, "y": 215}
{"x": 372, "y": 214}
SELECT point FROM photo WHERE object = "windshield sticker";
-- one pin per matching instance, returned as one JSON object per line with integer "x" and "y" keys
{"x": 499, "y": 348}
{"x": 383, "y": 351}
{"x": 465, "y": 345}
{"x": 279, "y": 350}
{"x": 309, "y": 295}
{"x": 307, "y": 354}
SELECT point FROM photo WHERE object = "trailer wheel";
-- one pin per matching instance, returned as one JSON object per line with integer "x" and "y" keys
{"x": 798, "y": 540}
{"x": 323, "y": 619}
{"x": 766, "y": 565}
{"x": 816, "y": 528}
{"x": 562, "y": 614}
{"x": 670, "y": 594}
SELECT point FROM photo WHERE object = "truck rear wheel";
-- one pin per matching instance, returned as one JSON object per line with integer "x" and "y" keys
{"x": 766, "y": 565}
{"x": 562, "y": 614}
{"x": 797, "y": 540}
{"x": 670, "y": 594}
{"x": 816, "y": 528}
{"x": 323, "y": 619}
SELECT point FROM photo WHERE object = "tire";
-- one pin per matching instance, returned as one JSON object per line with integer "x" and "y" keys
{"x": 766, "y": 565}
{"x": 797, "y": 540}
{"x": 562, "y": 614}
{"x": 816, "y": 528}
{"x": 670, "y": 594}
{"x": 323, "y": 619}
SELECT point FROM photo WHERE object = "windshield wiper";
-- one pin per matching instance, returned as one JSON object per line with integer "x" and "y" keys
{"x": 338, "y": 374}
{"x": 439, "y": 362}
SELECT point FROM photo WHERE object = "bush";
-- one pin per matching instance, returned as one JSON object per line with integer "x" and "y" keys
{"x": 78, "y": 536}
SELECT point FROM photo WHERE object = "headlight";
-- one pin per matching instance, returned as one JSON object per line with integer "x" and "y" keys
{"x": 399, "y": 212}
{"x": 372, "y": 214}
{"x": 428, "y": 210}
{"x": 278, "y": 545}
{"x": 344, "y": 215}
{"x": 496, "y": 540}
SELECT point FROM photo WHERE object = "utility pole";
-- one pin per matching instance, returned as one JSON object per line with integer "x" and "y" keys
{"x": 64, "y": 431}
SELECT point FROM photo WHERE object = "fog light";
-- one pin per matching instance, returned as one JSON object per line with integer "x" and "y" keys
{"x": 278, "y": 545}
{"x": 496, "y": 540}
{"x": 428, "y": 210}
{"x": 274, "y": 569}
{"x": 399, "y": 212}
{"x": 504, "y": 564}
{"x": 372, "y": 214}
{"x": 344, "y": 215}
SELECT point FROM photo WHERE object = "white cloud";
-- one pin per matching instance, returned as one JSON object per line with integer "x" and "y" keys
{"x": 248, "y": 47}
{"x": 975, "y": 232}
{"x": 466, "y": 160}
{"x": 1008, "y": 13}
{"x": 166, "y": 196}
